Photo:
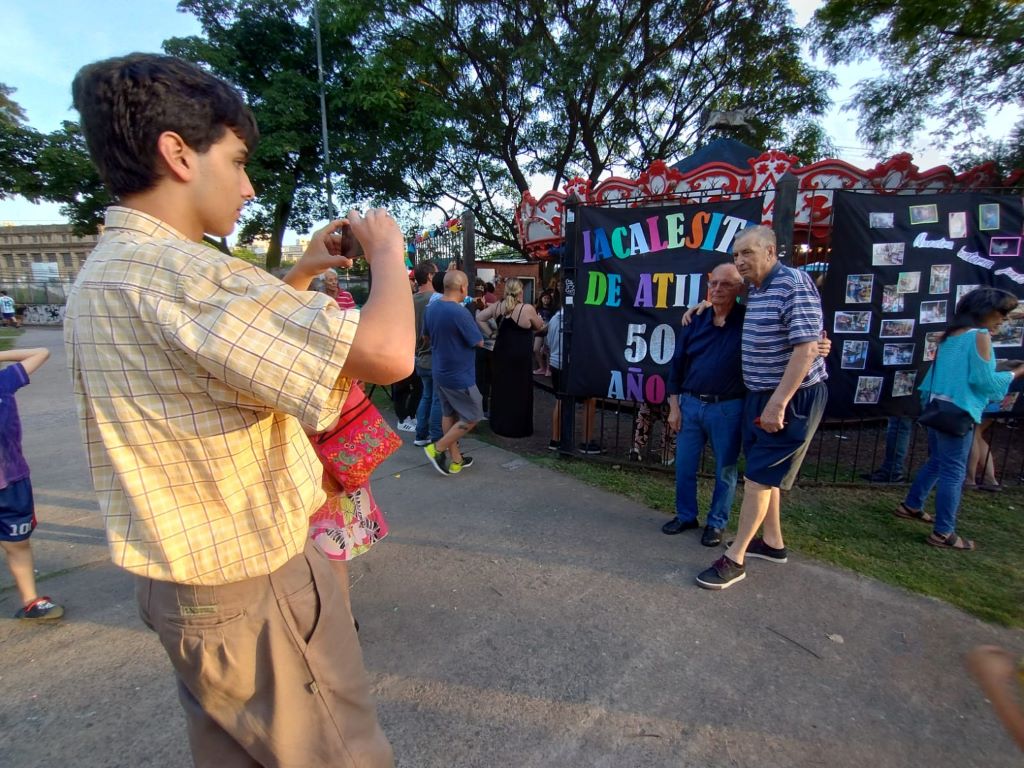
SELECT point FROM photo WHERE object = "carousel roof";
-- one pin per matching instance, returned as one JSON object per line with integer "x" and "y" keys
{"x": 540, "y": 221}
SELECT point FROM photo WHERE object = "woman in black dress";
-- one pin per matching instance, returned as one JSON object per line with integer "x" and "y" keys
{"x": 512, "y": 368}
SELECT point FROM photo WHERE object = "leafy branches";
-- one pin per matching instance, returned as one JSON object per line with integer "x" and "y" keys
{"x": 576, "y": 87}
{"x": 953, "y": 61}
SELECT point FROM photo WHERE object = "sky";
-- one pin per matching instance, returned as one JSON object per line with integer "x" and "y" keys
{"x": 43, "y": 50}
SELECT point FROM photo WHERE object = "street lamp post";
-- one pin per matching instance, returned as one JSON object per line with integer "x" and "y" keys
{"x": 323, "y": 109}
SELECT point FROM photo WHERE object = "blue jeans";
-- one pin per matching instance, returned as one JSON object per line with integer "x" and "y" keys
{"x": 897, "y": 444}
{"x": 719, "y": 422}
{"x": 945, "y": 468}
{"x": 428, "y": 414}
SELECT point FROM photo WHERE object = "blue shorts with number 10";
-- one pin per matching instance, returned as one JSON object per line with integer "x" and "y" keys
{"x": 17, "y": 511}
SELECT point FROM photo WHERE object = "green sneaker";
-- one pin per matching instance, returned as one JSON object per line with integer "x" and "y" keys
{"x": 437, "y": 458}
{"x": 455, "y": 467}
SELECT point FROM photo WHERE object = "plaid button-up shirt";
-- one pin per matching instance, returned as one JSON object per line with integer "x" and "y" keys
{"x": 194, "y": 374}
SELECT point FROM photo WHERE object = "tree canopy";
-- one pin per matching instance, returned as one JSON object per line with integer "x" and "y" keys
{"x": 461, "y": 104}
{"x": 951, "y": 61}
{"x": 576, "y": 88}
{"x": 267, "y": 50}
{"x": 18, "y": 146}
{"x": 53, "y": 167}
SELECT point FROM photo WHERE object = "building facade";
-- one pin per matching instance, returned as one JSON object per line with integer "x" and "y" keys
{"x": 38, "y": 264}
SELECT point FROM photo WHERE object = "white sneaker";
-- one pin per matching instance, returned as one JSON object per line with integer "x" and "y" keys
{"x": 406, "y": 426}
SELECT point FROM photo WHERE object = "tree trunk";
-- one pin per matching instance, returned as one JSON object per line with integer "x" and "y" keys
{"x": 281, "y": 211}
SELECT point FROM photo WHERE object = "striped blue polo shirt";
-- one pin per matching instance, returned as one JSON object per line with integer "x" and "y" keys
{"x": 783, "y": 312}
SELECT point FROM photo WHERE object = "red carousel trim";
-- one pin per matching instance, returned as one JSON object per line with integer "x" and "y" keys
{"x": 540, "y": 221}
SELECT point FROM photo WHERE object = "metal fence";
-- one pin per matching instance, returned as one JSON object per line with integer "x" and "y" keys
{"x": 26, "y": 292}
{"x": 843, "y": 451}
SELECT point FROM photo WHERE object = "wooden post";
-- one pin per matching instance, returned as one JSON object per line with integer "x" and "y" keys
{"x": 784, "y": 214}
{"x": 469, "y": 248}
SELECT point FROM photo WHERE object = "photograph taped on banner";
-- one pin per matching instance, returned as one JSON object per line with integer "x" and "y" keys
{"x": 896, "y": 329}
{"x": 855, "y": 354}
{"x": 852, "y": 322}
{"x": 1009, "y": 334}
{"x": 859, "y": 288}
{"x": 878, "y": 220}
{"x": 892, "y": 299}
{"x": 898, "y": 354}
{"x": 958, "y": 225}
{"x": 887, "y": 254}
{"x": 938, "y": 281}
{"x": 933, "y": 312}
{"x": 903, "y": 383}
{"x": 931, "y": 346}
{"x": 909, "y": 282}
{"x": 1004, "y": 247}
{"x": 869, "y": 390}
{"x": 924, "y": 214}
{"x": 988, "y": 216}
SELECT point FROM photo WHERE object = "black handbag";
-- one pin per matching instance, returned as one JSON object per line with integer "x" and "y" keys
{"x": 944, "y": 415}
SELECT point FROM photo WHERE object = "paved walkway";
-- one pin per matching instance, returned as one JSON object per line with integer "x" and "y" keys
{"x": 516, "y": 617}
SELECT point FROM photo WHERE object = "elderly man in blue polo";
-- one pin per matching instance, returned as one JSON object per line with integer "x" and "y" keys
{"x": 785, "y": 379}
{"x": 705, "y": 397}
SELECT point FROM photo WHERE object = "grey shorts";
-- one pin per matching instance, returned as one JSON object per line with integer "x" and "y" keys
{"x": 467, "y": 404}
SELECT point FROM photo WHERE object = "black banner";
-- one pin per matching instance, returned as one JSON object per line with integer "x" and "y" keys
{"x": 898, "y": 266}
{"x": 637, "y": 271}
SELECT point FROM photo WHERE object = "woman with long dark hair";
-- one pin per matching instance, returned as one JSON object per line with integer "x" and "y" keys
{"x": 964, "y": 373}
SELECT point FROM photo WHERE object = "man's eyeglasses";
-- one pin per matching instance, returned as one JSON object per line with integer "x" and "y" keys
{"x": 722, "y": 283}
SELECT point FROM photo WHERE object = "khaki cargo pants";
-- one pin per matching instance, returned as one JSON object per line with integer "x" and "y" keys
{"x": 269, "y": 670}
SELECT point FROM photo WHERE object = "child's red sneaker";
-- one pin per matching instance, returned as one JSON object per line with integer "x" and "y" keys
{"x": 40, "y": 609}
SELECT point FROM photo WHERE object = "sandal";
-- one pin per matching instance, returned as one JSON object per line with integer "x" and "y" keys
{"x": 950, "y": 541}
{"x": 913, "y": 514}
{"x": 989, "y": 487}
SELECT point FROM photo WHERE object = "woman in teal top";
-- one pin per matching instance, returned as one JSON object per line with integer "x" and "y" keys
{"x": 964, "y": 372}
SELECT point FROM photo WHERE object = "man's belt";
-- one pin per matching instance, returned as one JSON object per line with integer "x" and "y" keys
{"x": 712, "y": 398}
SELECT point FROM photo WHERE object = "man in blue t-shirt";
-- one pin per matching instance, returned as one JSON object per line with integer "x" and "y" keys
{"x": 454, "y": 338}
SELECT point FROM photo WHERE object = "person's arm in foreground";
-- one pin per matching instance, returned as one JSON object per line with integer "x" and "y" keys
{"x": 384, "y": 344}
{"x": 535, "y": 320}
{"x": 799, "y": 364}
{"x": 995, "y": 670}
{"x": 825, "y": 345}
{"x": 30, "y": 359}
{"x": 483, "y": 316}
{"x": 674, "y": 382}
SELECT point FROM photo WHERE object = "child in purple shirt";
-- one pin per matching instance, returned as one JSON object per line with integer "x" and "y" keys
{"x": 17, "y": 510}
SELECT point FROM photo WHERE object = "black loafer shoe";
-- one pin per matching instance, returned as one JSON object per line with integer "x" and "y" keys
{"x": 675, "y": 525}
{"x": 712, "y": 537}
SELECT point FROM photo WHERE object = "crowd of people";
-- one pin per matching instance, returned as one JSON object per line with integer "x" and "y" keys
{"x": 200, "y": 432}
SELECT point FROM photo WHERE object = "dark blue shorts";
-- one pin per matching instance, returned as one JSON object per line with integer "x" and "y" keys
{"x": 17, "y": 511}
{"x": 774, "y": 458}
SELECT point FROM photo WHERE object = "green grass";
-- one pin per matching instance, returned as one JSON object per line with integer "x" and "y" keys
{"x": 7, "y": 337}
{"x": 854, "y": 528}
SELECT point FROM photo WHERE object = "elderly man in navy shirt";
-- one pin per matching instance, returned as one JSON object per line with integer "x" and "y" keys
{"x": 786, "y": 381}
{"x": 705, "y": 397}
